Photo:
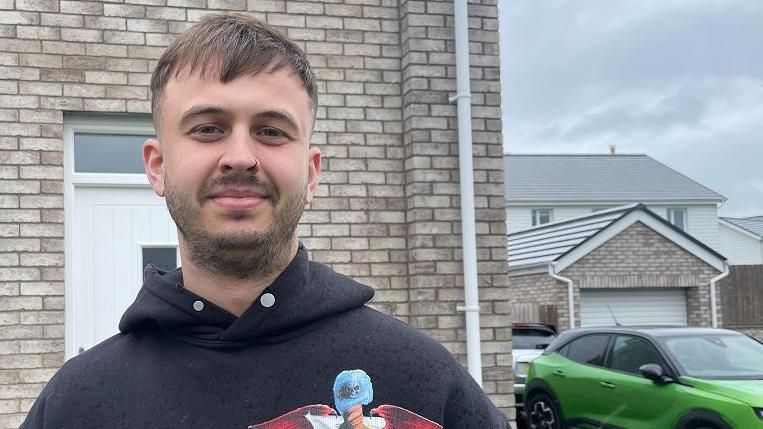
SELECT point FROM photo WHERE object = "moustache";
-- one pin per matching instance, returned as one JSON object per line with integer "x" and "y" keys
{"x": 247, "y": 182}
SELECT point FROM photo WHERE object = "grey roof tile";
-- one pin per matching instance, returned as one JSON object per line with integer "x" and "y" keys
{"x": 750, "y": 224}
{"x": 622, "y": 178}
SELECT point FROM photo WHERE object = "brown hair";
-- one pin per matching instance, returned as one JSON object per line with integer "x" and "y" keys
{"x": 230, "y": 46}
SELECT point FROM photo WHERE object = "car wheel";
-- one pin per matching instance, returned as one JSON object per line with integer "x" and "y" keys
{"x": 542, "y": 413}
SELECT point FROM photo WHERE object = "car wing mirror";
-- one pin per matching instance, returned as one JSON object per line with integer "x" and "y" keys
{"x": 654, "y": 372}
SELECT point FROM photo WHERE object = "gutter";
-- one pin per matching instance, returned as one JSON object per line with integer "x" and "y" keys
{"x": 713, "y": 303}
{"x": 570, "y": 291}
{"x": 466, "y": 170}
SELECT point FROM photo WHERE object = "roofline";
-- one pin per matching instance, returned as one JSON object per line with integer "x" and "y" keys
{"x": 591, "y": 215}
{"x": 687, "y": 177}
{"x": 659, "y": 219}
{"x": 722, "y": 198}
{"x": 740, "y": 229}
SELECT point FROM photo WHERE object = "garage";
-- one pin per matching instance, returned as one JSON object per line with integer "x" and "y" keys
{"x": 645, "y": 306}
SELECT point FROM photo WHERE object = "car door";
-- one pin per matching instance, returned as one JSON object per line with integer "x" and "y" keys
{"x": 634, "y": 401}
{"x": 576, "y": 381}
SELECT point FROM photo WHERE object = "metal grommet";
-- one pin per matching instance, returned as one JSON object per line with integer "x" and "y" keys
{"x": 267, "y": 299}
{"x": 198, "y": 305}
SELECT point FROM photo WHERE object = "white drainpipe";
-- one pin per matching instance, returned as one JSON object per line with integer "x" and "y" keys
{"x": 468, "y": 228}
{"x": 713, "y": 304}
{"x": 570, "y": 291}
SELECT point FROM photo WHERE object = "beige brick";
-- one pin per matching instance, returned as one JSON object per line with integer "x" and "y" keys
{"x": 130, "y": 11}
{"x": 81, "y": 7}
{"x": 106, "y": 77}
{"x": 19, "y": 73}
{"x": 105, "y": 105}
{"x": 38, "y": 33}
{"x": 42, "y": 288}
{"x": 13, "y": 17}
{"x": 227, "y": 4}
{"x": 81, "y": 35}
{"x": 61, "y": 20}
{"x": 105, "y": 23}
{"x": 124, "y": 37}
{"x": 169, "y": 13}
{"x": 42, "y": 230}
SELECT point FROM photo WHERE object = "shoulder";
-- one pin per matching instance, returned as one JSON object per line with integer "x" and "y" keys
{"x": 71, "y": 389}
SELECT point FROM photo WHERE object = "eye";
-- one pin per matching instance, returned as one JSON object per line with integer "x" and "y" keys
{"x": 207, "y": 132}
{"x": 271, "y": 134}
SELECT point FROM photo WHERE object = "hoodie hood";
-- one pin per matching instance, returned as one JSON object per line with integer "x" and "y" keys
{"x": 305, "y": 293}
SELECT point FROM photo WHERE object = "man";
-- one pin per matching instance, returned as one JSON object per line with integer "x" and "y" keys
{"x": 250, "y": 334}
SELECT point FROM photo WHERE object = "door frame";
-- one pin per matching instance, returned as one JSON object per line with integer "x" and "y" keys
{"x": 102, "y": 124}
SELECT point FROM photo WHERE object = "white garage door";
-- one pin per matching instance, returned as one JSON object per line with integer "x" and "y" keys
{"x": 633, "y": 307}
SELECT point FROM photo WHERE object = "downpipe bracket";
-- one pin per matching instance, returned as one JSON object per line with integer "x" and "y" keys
{"x": 468, "y": 308}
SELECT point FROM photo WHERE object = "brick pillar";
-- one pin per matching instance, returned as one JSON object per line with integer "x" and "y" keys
{"x": 432, "y": 184}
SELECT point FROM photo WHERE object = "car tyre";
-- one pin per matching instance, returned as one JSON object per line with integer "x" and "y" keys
{"x": 543, "y": 413}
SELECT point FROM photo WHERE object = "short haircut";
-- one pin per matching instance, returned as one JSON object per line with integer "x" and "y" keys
{"x": 227, "y": 47}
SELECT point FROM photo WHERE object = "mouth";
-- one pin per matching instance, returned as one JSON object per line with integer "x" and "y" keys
{"x": 238, "y": 199}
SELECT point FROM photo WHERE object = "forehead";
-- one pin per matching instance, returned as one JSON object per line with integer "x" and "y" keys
{"x": 279, "y": 90}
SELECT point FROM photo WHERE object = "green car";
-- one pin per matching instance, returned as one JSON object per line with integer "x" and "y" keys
{"x": 655, "y": 378}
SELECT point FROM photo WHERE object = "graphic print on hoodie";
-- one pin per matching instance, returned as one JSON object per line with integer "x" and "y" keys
{"x": 174, "y": 366}
{"x": 352, "y": 390}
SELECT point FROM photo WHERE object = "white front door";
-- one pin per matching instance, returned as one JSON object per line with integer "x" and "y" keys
{"x": 117, "y": 230}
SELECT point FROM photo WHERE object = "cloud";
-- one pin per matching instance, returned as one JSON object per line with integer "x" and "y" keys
{"x": 681, "y": 80}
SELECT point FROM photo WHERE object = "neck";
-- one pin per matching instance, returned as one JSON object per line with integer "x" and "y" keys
{"x": 232, "y": 294}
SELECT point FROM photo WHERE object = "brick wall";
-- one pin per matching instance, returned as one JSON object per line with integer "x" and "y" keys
{"x": 540, "y": 289}
{"x": 388, "y": 210}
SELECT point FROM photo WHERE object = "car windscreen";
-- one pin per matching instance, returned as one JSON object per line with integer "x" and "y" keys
{"x": 536, "y": 339}
{"x": 723, "y": 357}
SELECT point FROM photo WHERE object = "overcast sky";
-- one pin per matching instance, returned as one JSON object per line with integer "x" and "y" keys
{"x": 680, "y": 80}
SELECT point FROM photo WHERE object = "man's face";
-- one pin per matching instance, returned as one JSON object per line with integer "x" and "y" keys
{"x": 235, "y": 166}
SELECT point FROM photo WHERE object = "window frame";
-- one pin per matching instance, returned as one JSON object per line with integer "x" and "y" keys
{"x": 536, "y": 213}
{"x": 671, "y": 217}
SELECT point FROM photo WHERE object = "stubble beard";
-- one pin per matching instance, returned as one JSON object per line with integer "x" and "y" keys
{"x": 242, "y": 254}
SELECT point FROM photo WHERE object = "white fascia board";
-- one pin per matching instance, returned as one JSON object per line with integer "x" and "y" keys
{"x": 738, "y": 229}
{"x": 626, "y": 221}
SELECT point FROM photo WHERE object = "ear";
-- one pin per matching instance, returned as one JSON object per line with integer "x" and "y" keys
{"x": 153, "y": 162}
{"x": 313, "y": 171}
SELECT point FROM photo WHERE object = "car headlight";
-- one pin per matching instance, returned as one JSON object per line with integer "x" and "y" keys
{"x": 758, "y": 412}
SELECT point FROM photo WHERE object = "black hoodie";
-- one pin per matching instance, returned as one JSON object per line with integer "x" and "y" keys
{"x": 302, "y": 363}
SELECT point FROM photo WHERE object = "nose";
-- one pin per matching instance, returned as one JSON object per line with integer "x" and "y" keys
{"x": 239, "y": 153}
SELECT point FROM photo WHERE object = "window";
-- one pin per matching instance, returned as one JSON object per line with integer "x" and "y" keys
{"x": 108, "y": 153}
{"x": 541, "y": 216}
{"x": 677, "y": 216}
{"x": 590, "y": 349}
{"x": 164, "y": 257}
{"x": 629, "y": 353}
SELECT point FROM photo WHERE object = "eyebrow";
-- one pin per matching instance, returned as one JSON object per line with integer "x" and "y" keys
{"x": 204, "y": 109}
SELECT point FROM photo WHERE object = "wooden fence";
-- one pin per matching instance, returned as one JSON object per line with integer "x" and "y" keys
{"x": 742, "y": 297}
{"x": 535, "y": 313}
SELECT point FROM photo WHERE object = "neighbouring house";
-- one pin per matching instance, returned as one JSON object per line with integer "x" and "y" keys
{"x": 742, "y": 239}
{"x": 624, "y": 265}
{"x": 550, "y": 188}
{"x": 78, "y": 221}
{"x": 612, "y": 239}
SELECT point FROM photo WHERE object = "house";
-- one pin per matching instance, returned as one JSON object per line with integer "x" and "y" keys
{"x": 547, "y": 188}
{"x": 742, "y": 239}
{"x": 74, "y": 109}
{"x": 612, "y": 239}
